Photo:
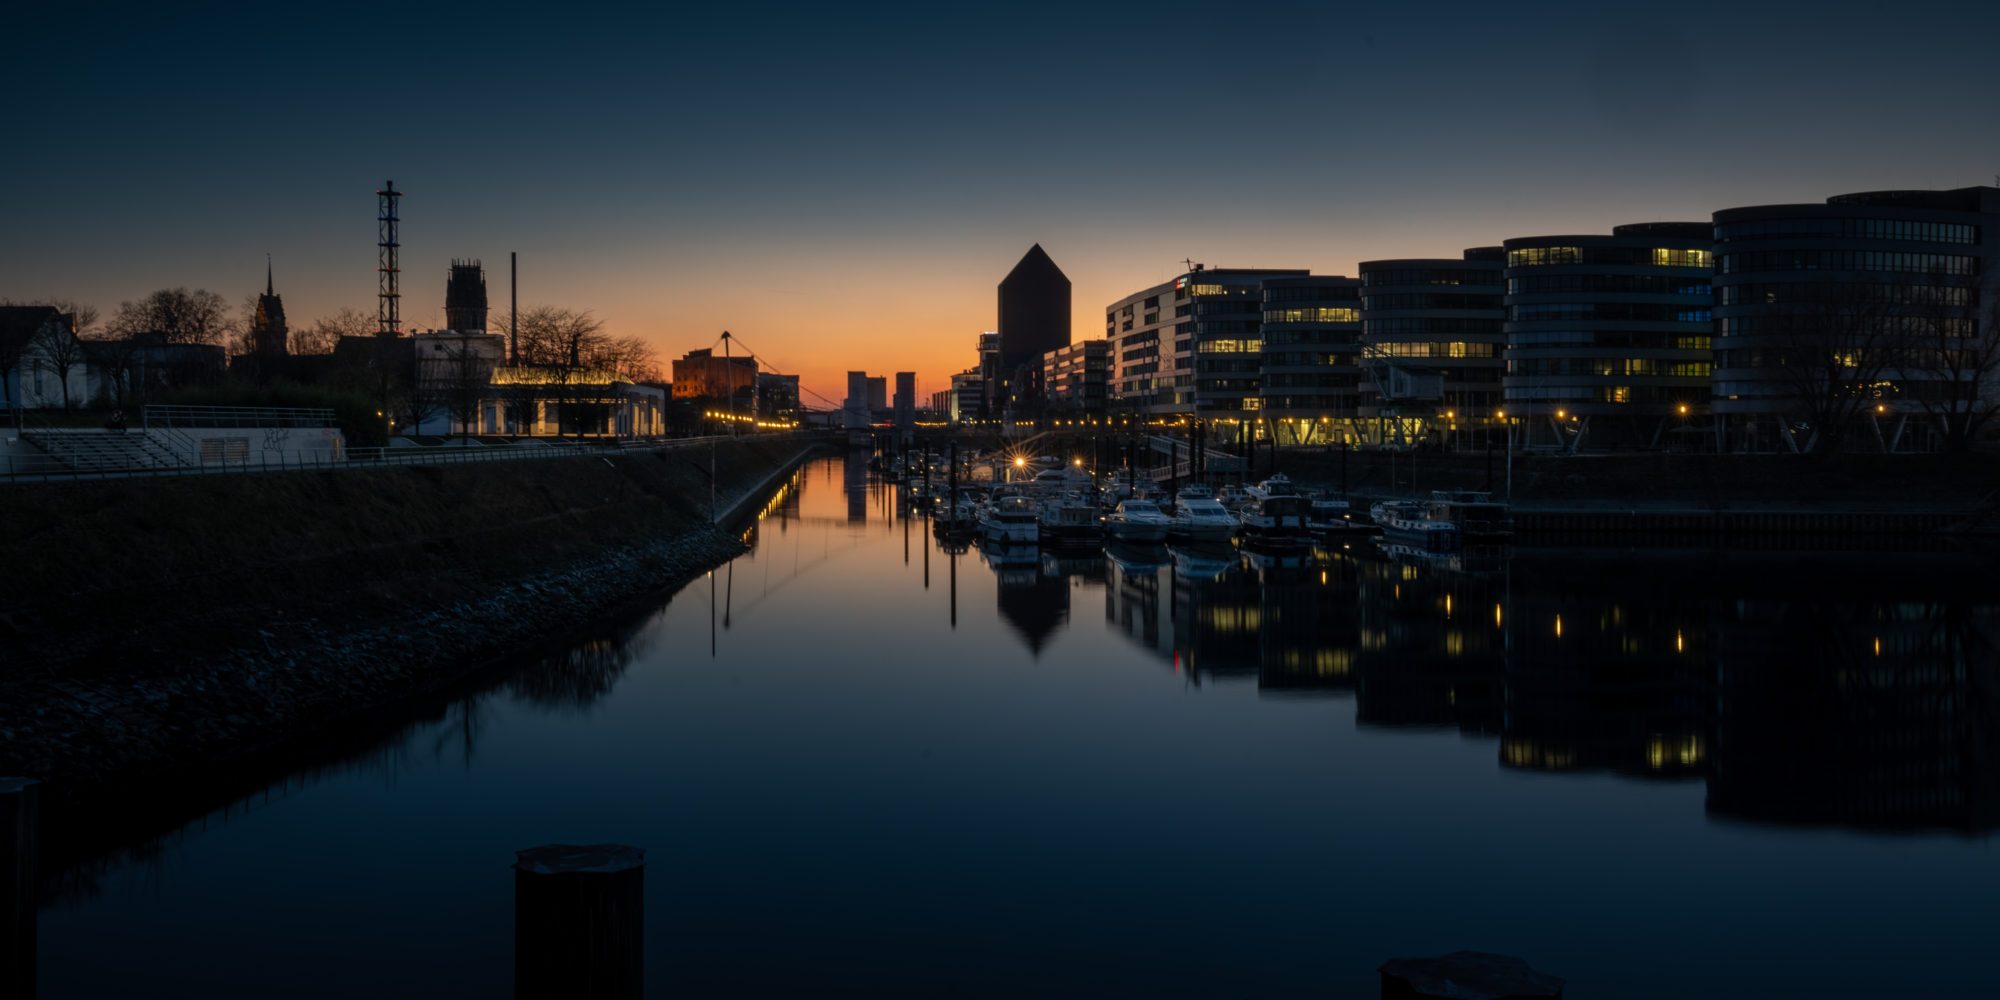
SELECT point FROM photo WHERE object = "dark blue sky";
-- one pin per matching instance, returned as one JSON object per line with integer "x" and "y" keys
{"x": 842, "y": 185}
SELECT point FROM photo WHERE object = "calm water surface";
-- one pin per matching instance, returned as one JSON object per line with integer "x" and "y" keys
{"x": 859, "y": 760}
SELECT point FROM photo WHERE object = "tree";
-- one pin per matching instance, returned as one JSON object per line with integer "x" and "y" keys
{"x": 59, "y": 353}
{"x": 466, "y": 375}
{"x": 567, "y": 345}
{"x": 326, "y": 331}
{"x": 1834, "y": 352}
{"x": 1957, "y": 357}
{"x": 178, "y": 315}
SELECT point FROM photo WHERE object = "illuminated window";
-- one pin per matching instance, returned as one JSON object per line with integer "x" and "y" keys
{"x": 1542, "y": 256}
{"x": 1669, "y": 257}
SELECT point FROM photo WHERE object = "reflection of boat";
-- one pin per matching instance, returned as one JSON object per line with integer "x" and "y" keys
{"x": 1265, "y": 559}
{"x": 1476, "y": 514}
{"x": 1410, "y": 523}
{"x": 1196, "y": 562}
{"x": 1275, "y": 516}
{"x": 1202, "y": 519}
{"x": 1007, "y": 557}
{"x": 1011, "y": 519}
{"x": 1136, "y": 558}
{"x": 1071, "y": 517}
{"x": 1138, "y": 521}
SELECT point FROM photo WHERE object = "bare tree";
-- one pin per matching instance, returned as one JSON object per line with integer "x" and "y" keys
{"x": 1956, "y": 357}
{"x": 1834, "y": 352}
{"x": 467, "y": 375}
{"x": 567, "y": 345}
{"x": 178, "y": 315}
{"x": 326, "y": 331}
{"x": 59, "y": 352}
{"x": 238, "y": 336}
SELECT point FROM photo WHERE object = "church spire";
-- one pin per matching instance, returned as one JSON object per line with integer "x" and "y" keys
{"x": 267, "y": 275}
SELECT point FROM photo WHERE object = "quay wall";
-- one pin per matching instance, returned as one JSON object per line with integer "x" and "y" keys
{"x": 153, "y": 629}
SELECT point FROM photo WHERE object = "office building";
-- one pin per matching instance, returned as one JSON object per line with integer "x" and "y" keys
{"x": 1609, "y": 337}
{"x": 1160, "y": 333}
{"x": 1311, "y": 352}
{"x": 1076, "y": 379}
{"x": 1434, "y": 330}
{"x": 1863, "y": 323}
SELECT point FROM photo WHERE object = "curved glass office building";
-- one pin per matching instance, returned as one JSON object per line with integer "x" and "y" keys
{"x": 1609, "y": 338}
{"x": 1853, "y": 323}
{"x": 1435, "y": 343}
{"x": 1311, "y": 357}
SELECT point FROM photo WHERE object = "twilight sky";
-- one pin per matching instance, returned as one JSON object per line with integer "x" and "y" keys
{"x": 842, "y": 185}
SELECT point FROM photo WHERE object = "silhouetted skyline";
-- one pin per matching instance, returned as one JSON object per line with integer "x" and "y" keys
{"x": 842, "y": 187}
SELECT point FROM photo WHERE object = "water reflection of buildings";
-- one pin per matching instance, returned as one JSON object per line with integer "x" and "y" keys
{"x": 1796, "y": 694}
{"x": 1035, "y": 604}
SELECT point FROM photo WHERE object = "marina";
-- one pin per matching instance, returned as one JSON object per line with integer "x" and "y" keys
{"x": 1387, "y": 726}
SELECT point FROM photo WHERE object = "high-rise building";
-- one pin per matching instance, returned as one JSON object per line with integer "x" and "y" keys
{"x": 989, "y": 376}
{"x": 1076, "y": 379}
{"x": 465, "y": 297}
{"x": 1311, "y": 359}
{"x": 855, "y": 413}
{"x": 1034, "y": 319}
{"x": 1609, "y": 337}
{"x": 1444, "y": 318}
{"x": 1865, "y": 314}
{"x": 878, "y": 393}
{"x": 906, "y": 401}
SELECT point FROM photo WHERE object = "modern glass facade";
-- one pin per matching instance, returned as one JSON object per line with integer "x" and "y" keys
{"x": 1310, "y": 337}
{"x": 1845, "y": 324}
{"x": 1609, "y": 338}
{"x": 1441, "y": 318}
{"x": 1191, "y": 344}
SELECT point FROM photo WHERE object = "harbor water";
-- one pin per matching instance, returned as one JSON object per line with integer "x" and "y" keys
{"x": 861, "y": 759}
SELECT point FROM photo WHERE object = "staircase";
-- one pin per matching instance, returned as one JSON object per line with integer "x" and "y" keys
{"x": 88, "y": 450}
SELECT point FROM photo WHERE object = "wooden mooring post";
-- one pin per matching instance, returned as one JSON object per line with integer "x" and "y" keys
{"x": 579, "y": 921}
{"x": 1467, "y": 975}
{"x": 19, "y": 830}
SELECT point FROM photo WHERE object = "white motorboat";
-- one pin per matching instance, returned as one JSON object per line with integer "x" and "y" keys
{"x": 1072, "y": 517}
{"x": 1138, "y": 521}
{"x": 1011, "y": 519}
{"x": 1202, "y": 519}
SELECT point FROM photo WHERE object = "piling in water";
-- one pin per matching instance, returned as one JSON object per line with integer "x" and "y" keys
{"x": 579, "y": 921}
{"x": 19, "y": 826}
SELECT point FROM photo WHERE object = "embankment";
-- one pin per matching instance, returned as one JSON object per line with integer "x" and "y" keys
{"x": 162, "y": 628}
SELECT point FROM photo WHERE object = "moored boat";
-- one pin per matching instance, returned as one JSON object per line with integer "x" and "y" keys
{"x": 1409, "y": 522}
{"x": 1072, "y": 517}
{"x": 1275, "y": 517}
{"x": 1138, "y": 521}
{"x": 1011, "y": 519}
{"x": 1201, "y": 519}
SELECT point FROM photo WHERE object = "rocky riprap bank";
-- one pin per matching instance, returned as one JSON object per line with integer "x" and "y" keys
{"x": 225, "y": 640}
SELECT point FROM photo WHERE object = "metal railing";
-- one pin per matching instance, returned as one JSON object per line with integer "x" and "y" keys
{"x": 44, "y": 468}
{"x": 236, "y": 416}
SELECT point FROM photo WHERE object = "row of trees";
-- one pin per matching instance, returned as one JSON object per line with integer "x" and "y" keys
{"x": 1847, "y": 350}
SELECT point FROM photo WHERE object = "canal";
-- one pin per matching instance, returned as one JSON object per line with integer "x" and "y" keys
{"x": 862, "y": 762}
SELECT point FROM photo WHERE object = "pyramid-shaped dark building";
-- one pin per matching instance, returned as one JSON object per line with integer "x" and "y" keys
{"x": 1034, "y": 320}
